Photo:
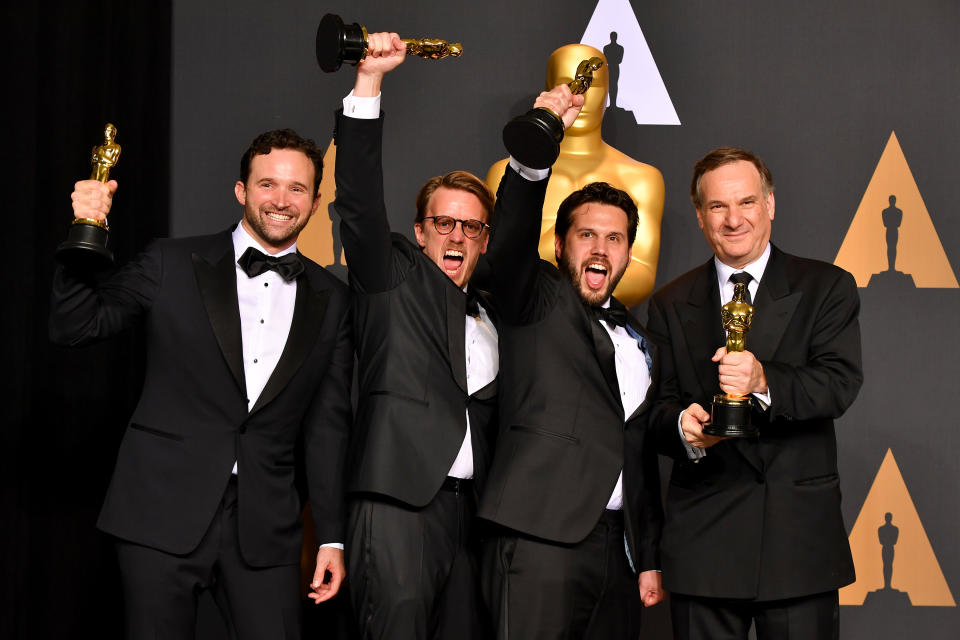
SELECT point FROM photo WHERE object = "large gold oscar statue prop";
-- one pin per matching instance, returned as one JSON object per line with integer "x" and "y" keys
{"x": 87, "y": 239}
{"x": 585, "y": 158}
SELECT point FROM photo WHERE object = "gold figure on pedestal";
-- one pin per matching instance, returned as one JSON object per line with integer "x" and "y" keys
{"x": 585, "y": 158}
{"x": 730, "y": 412}
{"x": 737, "y": 316}
{"x": 105, "y": 155}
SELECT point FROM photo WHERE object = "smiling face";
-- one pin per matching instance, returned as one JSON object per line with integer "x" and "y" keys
{"x": 454, "y": 253}
{"x": 735, "y": 213}
{"x": 595, "y": 250}
{"x": 277, "y": 198}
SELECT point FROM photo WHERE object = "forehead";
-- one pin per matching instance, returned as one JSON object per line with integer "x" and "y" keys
{"x": 599, "y": 217}
{"x": 456, "y": 203}
{"x": 291, "y": 164}
{"x": 731, "y": 180}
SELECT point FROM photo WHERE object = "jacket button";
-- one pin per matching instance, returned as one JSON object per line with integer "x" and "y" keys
{"x": 760, "y": 478}
{"x": 243, "y": 429}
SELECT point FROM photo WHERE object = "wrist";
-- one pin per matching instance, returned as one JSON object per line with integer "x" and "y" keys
{"x": 367, "y": 85}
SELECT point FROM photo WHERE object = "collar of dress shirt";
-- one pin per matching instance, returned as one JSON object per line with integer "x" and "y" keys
{"x": 755, "y": 268}
{"x": 242, "y": 240}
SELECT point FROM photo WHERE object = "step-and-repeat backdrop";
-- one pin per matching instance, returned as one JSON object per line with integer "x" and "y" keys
{"x": 854, "y": 106}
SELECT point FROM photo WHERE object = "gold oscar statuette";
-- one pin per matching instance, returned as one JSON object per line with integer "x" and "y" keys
{"x": 534, "y": 138}
{"x": 88, "y": 238}
{"x": 730, "y": 413}
{"x": 338, "y": 42}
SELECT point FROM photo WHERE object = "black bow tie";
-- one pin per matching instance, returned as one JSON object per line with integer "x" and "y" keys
{"x": 613, "y": 316}
{"x": 473, "y": 304}
{"x": 255, "y": 262}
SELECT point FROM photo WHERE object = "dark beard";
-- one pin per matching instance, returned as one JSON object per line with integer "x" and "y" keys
{"x": 594, "y": 299}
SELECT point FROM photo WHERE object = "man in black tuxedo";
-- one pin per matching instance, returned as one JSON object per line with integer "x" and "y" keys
{"x": 753, "y": 530}
{"x": 574, "y": 486}
{"x": 246, "y": 354}
{"x": 428, "y": 363}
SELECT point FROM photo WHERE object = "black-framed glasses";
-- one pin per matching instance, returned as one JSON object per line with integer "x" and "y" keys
{"x": 445, "y": 225}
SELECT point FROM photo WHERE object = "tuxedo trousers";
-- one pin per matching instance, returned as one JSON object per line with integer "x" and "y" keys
{"x": 541, "y": 590}
{"x": 814, "y": 617}
{"x": 161, "y": 590}
{"x": 413, "y": 572}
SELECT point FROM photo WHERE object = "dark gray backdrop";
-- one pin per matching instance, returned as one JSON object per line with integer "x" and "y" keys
{"x": 814, "y": 87}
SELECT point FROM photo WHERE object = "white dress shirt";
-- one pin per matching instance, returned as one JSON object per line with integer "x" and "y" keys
{"x": 633, "y": 378}
{"x": 266, "y": 313}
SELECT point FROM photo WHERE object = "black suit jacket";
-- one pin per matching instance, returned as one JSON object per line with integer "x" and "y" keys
{"x": 563, "y": 440}
{"x": 191, "y": 422}
{"x": 760, "y": 518}
{"x": 410, "y": 316}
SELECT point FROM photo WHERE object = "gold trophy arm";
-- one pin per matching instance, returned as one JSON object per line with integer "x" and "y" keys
{"x": 433, "y": 48}
{"x": 584, "y": 75}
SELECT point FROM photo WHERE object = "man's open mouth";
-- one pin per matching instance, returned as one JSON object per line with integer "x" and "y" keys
{"x": 452, "y": 260}
{"x": 595, "y": 275}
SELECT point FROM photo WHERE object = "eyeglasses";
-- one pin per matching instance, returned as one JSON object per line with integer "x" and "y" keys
{"x": 445, "y": 225}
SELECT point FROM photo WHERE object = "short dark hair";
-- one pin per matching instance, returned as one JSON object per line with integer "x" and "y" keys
{"x": 462, "y": 180}
{"x": 603, "y": 193}
{"x": 727, "y": 155}
{"x": 283, "y": 139}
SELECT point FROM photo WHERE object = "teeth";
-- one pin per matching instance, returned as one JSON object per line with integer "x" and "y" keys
{"x": 278, "y": 216}
{"x": 597, "y": 267}
{"x": 452, "y": 253}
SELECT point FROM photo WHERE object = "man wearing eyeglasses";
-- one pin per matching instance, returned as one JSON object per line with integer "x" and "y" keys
{"x": 427, "y": 366}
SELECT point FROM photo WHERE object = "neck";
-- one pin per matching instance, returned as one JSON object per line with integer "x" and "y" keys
{"x": 581, "y": 143}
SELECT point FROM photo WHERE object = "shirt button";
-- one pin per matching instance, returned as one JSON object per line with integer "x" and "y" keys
{"x": 266, "y": 284}
{"x": 261, "y": 320}
{"x": 254, "y": 361}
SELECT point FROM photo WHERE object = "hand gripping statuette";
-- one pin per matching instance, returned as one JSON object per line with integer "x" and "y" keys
{"x": 338, "y": 42}
{"x": 534, "y": 138}
{"x": 87, "y": 240}
{"x": 730, "y": 413}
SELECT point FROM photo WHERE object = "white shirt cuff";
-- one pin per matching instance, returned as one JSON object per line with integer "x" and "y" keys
{"x": 361, "y": 108}
{"x": 531, "y": 175}
{"x": 335, "y": 545}
{"x": 694, "y": 453}
{"x": 764, "y": 399}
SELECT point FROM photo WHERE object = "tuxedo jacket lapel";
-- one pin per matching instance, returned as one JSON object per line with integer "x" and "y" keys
{"x": 308, "y": 311}
{"x": 456, "y": 305}
{"x": 774, "y": 307}
{"x": 700, "y": 315}
{"x": 603, "y": 348}
{"x": 217, "y": 279}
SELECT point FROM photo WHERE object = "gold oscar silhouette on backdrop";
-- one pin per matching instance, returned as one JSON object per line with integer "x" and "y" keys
{"x": 585, "y": 158}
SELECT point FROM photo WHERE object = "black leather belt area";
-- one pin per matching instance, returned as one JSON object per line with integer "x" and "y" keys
{"x": 457, "y": 485}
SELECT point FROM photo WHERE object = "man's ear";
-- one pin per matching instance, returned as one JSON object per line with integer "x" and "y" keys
{"x": 240, "y": 190}
{"x": 418, "y": 232}
{"x": 558, "y": 246}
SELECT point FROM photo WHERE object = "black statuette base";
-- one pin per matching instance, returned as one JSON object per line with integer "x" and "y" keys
{"x": 85, "y": 247}
{"x": 533, "y": 139}
{"x": 338, "y": 43}
{"x": 730, "y": 418}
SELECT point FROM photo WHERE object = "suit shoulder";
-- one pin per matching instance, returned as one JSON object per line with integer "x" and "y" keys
{"x": 799, "y": 268}
{"x": 679, "y": 286}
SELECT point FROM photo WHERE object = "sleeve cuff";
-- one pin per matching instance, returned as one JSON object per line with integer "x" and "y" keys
{"x": 531, "y": 175}
{"x": 361, "y": 108}
{"x": 335, "y": 545}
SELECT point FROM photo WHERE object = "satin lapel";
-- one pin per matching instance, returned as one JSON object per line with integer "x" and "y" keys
{"x": 603, "y": 348}
{"x": 456, "y": 334}
{"x": 773, "y": 309}
{"x": 308, "y": 311}
{"x": 218, "y": 288}
{"x": 700, "y": 317}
